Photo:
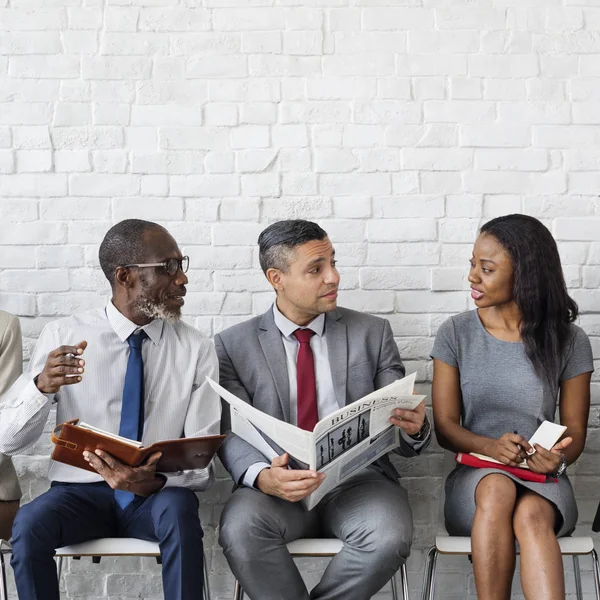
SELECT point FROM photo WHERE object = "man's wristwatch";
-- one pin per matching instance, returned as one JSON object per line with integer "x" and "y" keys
{"x": 561, "y": 468}
{"x": 423, "y": 432}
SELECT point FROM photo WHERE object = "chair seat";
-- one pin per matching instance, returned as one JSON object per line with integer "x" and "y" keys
{"x": 462, "y": 545}
{"x": 111, "y": 547}
{"x": 315, "y": 547}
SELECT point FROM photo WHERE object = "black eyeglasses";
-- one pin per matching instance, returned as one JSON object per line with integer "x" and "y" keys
{"x": 171, "y": 266}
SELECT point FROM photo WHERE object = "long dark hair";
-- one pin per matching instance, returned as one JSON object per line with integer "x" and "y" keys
{"x": 539, "y": 289}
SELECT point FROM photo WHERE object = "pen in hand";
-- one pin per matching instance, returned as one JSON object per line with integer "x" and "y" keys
{"x": 518, "y": 446}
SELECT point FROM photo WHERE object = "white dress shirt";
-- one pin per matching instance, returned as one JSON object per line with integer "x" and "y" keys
{"x": 178, "y": 401}
{"x": 326, "y": 402}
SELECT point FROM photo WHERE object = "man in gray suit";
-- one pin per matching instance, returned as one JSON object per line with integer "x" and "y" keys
{"x": 11, "y": 360}
{"x": 301, "y": 360}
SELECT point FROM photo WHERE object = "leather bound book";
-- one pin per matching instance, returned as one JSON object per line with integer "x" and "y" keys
{"x": 72, "y": 438}
{"x": 525, "y": 474}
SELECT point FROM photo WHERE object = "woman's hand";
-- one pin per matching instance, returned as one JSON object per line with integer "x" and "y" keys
{"x": 547, "y": 461}
{"x": 511, "y": 449}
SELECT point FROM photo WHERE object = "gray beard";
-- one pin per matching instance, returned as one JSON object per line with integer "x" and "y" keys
{"x": 156, "y": 310}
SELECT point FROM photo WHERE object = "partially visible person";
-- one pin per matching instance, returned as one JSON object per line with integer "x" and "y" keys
{"x": 500, "y": 371}
{"x": 133, "y": 368}
{"x": 11, "y": 360}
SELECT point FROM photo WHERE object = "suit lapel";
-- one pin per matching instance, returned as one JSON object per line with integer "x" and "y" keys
{"x": 272, "y": 347}
{"x": 337, "y": 348}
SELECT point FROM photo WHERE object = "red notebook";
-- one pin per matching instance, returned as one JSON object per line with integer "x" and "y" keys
{"x": 525, "y": 474}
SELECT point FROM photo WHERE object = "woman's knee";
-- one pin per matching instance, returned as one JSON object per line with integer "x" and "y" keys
{"x": 533, "y": 515}
{"x": 495, "y": 496}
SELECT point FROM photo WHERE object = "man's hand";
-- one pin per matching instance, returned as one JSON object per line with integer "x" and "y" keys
{"x": 289, "y": 484}
{"x": 547, "y": 461}
{"x": 64, "y": 366}
{"x": 410, "y": 421}
{"x": 140, "y": 480}
{"x": 511, "y": 449}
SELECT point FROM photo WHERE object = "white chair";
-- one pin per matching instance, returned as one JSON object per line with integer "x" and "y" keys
{"x": 447, "y": 544}
{"x": 327, "y": 547}
{"x": 98, "y": 549}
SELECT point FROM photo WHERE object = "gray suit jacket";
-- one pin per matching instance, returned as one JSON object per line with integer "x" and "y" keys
{"x": 11, "y": 361}
{"x": 252, "y": 365}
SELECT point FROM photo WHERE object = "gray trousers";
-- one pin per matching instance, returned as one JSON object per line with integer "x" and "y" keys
{"x": 369, "y": 513}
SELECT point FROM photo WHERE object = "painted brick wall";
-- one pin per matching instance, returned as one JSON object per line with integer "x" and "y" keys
{"x": 399, "y": 125}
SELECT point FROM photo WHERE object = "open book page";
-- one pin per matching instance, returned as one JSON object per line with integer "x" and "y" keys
{"x": 112, "y": 436}
{"x": 292, "y": 439}
{"x": 546, "y": 435}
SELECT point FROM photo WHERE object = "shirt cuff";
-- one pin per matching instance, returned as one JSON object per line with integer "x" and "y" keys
{"x": 252, "y": 472}
{"x": 416, "y": 445}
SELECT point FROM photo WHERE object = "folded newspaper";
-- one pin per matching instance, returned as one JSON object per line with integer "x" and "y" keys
{"x": 341, "y": 444}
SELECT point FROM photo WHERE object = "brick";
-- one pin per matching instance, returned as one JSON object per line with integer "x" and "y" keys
{"x": 33, "y": 161}
{"x": 350, "y": 184}
{"x": 155, "y": 209}
{"x": 394, "y": 19}
{"x": 263, "y": 42}
{"x": 260, "y": 184}
{"x": 18, "y": 209}
{"x": 563, "y": 136}
{"x": 166, "y": 116}
{"x": 207, "y": 67}
{"x": 97, "y": 138}
{"x": 72, "y": 114}
{"x": 459, "y": 111}
{"x": 122, "y": 67}
{"x": 73, "y": 208}
{"x": 29, "y": 90}
{"x": 469, "y": 17}
{"x": 250, "y": 136}
{"x": 109, "y": 161}
{"x": 71, "y": 161}
{"x": 26, "y": 186}
{"x": 436, "y": 159}
{"x": 204, "y": 185}
{"x": 35, "y": 113}
{"x": 188, "y": 138}
{"x": 34, "y": 233}
{"x": 400, "y": 278}
{"x": 511, "y": 160}
{"x": 334, "y": 88}
{"x": 174, "y": 19}
{"x": 17, "y": 257}
{"x": 13, "y": 19}
{"x": 494, "y": 136}
{"x": 103, "y": 185}
{"x": 392, "y": 230}
{"x": 408, "y": 206}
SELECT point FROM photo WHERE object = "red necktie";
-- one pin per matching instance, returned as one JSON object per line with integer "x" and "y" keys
{"x": 308, "y": 415}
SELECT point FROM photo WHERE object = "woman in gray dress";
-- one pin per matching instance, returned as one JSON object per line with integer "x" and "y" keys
{"x": 499, "y": 372}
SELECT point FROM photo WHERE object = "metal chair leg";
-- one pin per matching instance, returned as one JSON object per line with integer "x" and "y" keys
{"x": 206, "y": 582}
{"x": 404, "y": 581}
{"x": 596, "y": 573}
{"x": 394, "y": 585}
{"x": 238, "y": 592}
{"x": 577, "y": 575}
{"x": 3, "y": 585}
{"x": 429, "y": 575}
{"x": 59, "y": 567}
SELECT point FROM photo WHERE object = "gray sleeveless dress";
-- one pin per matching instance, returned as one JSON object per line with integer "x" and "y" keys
{"x": 501, "y": 393}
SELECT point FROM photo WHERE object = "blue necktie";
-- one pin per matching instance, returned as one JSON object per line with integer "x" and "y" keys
{"x": 132, "y": 407}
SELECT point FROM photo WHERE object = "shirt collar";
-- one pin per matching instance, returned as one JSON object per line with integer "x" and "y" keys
{"x": 288, "y": 327}
{"x": 123, "y": 327}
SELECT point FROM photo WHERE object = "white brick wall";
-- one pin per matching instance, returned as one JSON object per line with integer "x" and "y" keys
{"x": 399, "y": 125}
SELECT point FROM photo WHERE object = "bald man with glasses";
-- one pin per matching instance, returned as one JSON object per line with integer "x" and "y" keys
{"x": 112, "y": 368}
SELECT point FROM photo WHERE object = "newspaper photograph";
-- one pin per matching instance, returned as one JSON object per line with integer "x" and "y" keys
{"x": 341, "y": 443}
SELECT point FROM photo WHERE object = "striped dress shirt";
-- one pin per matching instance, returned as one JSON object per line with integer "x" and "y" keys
{"x": 178, "y": 401}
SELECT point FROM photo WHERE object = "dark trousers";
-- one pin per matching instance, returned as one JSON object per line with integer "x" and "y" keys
{"x": 70, "y": 513}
